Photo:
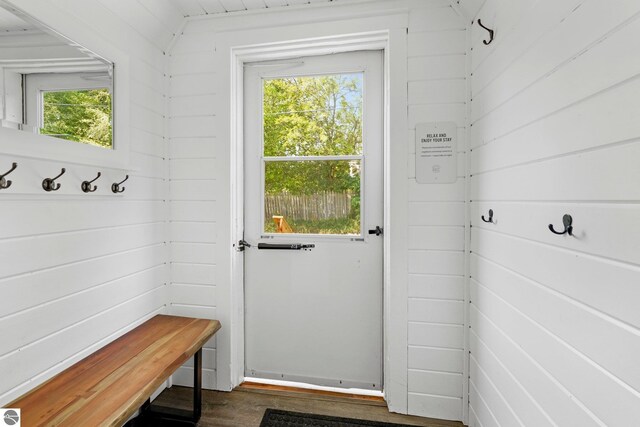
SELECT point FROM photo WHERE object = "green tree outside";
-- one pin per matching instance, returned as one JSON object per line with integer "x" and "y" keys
{"x": 79, "y": 115}
{"x": 314, "y": 116}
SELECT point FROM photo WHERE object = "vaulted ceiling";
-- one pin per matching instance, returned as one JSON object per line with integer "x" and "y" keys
{"x": 207, "y": 7}
{"x": 159, "y": 20}
{"x": 9, "y": 21}
{"x": 190, "y": 8}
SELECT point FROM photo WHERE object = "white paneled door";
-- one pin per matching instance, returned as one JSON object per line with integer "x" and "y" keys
{"x": 313, "y": 216}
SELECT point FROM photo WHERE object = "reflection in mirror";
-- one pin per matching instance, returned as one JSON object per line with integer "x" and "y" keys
{"x": 50, "y": 85}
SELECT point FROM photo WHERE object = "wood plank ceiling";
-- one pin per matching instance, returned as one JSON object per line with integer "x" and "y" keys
{"x": 159, "y": 20}
{"x": 208, "y": 7}
{"x": 10, "y": 22}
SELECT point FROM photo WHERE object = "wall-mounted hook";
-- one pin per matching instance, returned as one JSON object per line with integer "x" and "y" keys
{"x": 86, "y": 185}
{"x": 4, "y": 184}
{"x": 116, "y": 186}
{"x": 490, "y": 217}
{"x": 49, "y": 184}
{"x": 568, "y": 228}
{"x": 491, "y": 33}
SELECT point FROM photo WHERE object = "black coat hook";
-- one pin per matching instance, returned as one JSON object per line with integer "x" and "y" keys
{"x": 86, "y": 185}
{"x": 491, "y": 33}
{"x": 568, "y": 228}
{"x": 49, "y": 184}
{"x": 4, "y": 184}
{"x": 490, "y": 217}
{"x": 116, "y": 186}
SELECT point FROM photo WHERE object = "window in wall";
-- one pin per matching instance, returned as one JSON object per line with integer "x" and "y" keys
{"x": 75, "y": 107}
{"x": 78, "y": 115}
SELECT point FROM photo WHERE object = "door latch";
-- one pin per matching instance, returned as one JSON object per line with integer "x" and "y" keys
{"x": 377, "y": 231}
{"x": 242, "y": 244}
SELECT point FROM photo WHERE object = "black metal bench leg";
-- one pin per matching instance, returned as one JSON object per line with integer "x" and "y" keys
{"x": 160, "y": 416}
{"x": 197, "y": 385}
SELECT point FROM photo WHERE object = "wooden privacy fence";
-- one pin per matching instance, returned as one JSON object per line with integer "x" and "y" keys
{"x": 326, "y": 205}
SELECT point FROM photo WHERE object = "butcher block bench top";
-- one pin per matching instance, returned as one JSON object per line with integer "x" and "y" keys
{"x": 107, "y": 387}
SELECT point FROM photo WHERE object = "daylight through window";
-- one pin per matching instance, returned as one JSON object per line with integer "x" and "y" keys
{"x": 78, "y": 115}
{"x": 313, "y": 154}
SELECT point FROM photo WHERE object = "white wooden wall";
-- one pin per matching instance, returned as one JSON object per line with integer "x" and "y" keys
{"x": 436, "y": 220}
{"x": 200, "y": 203}
{"x": 554, "y": 130}
{"x": 555, "y": 323}
{"x": 78, "y": 270}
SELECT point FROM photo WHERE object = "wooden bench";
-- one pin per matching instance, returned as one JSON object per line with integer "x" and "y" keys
{"x": 109, "y": 386}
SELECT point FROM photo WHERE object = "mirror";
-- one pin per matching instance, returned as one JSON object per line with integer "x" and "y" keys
{"x": 50, "y": 85}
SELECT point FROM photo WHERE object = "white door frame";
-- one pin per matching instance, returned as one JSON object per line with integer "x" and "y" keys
{"x": 394, "y": 45}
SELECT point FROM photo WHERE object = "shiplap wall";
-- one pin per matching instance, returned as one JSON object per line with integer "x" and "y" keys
{"x": 436, "y": 222}
{"x": 555, "y": 322}
{"x": 78, "y": 270}
{"x": 200, "y": 204}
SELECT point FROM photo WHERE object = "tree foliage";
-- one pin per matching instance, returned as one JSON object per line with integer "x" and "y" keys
{"x": 313, "y": 116}
{"x": 79, "y": 115}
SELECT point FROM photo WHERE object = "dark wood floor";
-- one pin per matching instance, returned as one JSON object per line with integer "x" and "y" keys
{"x": 245, "y": 406}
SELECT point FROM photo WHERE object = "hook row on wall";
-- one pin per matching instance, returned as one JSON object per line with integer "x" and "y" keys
{"x": 567, "y": 222}
{"x": 50, "y": 184}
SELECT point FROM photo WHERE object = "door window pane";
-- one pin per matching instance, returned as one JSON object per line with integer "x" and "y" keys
{"x": 313, "y": 116}
{"x": 312, "y": 197}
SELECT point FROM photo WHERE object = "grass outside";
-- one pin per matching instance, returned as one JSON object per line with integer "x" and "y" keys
{"x": 323, "y": 226}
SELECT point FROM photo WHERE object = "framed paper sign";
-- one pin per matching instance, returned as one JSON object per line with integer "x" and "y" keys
{"x": 436, "y": 153}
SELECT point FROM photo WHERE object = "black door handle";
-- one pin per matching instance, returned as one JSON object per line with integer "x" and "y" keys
{"x": 377, "y": 231}
{"x": 242, "y": 244}
{"x": 286, "y": 246}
